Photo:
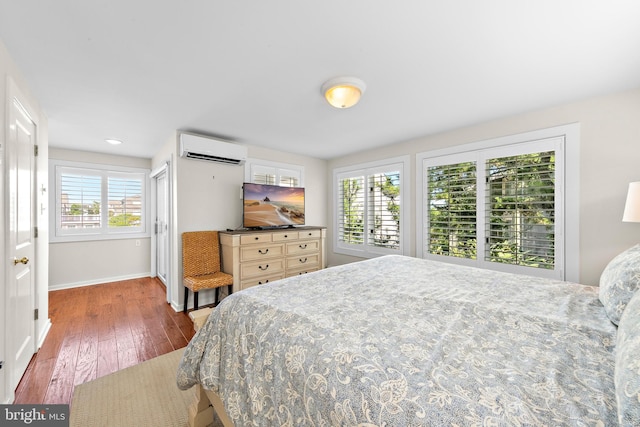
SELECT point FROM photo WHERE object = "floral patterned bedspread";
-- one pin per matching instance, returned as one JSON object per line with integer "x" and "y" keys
{"x": 401, "y": 341}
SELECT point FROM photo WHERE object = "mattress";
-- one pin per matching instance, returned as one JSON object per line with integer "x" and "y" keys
{"x": 401, "y": 341}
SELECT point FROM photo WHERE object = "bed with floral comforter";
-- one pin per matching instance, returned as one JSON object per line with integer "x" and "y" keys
{"x": 400, "y": 341}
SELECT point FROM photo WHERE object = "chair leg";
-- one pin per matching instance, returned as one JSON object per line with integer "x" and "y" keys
{"x": 186, "y": 298}
{"x": 230, "y": 287}
{"x": 195, "y": 300}
{"x": 216, "y": 302}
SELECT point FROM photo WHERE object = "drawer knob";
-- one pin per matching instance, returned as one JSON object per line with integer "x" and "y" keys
{"x": 256, "y": 238}
{"x": 260, "y": 282}
{"x": 285, "y": 236}
{"x": 303, "y": 246}
{"x": 265, "y": 252}
{"x": 263, "y": 268}
{"x": 302, "y": 260}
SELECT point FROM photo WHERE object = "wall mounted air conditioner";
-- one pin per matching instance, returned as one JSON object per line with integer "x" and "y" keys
{"x": 211, "y": 149}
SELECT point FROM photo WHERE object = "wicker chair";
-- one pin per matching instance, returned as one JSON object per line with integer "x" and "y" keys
{"x": 201, "y": 265}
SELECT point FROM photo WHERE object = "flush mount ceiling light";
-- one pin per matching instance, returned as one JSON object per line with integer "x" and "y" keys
{"x": 343, "y": 92}
{"x": 113, "y": 141}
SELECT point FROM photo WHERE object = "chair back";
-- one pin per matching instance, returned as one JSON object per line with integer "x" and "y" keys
{"x": 200, "y": 253}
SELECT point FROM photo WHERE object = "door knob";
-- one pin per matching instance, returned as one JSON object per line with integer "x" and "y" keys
{"x": 22, "y": 260}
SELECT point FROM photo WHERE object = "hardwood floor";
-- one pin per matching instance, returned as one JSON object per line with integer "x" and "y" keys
{"x": 97, "y": 330}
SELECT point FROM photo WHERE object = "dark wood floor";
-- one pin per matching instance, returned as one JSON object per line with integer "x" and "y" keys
{"x": 97, "y": 330}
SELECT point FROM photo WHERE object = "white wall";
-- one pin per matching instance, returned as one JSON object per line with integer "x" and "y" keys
{"x": 8, "y": 70}
{"x": 98, "y": 261}
{"x": 207, "y": 197}
{"x": 609, "y": 160}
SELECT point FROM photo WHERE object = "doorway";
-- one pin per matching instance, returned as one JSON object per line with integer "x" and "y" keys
{"x": 21, "y": 245}
{"x": 162, "y": 224}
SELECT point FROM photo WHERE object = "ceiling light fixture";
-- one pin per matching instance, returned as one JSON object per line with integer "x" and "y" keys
{"x": 113, "y": 141}
{"x": 343, "y": 92}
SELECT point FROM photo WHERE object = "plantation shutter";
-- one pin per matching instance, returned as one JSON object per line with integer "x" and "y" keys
{"x": 289, "y": 178}
{"x": 384, "y": 210}
{"x": 275, "y": 176}
{"x": 263, "y": 175}
{"x": 79, "y": 198}
{"x": 125, "y": 200}
{"x": 521, "y": 210}
{"x": 452, "y": 211}
{"x": 369, "y": 214}
{"x": 93, "y": 203}
{"x": 351, "y": 210}
{"x": 497, "y": 208}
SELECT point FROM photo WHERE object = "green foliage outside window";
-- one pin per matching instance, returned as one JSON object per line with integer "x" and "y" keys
{"x": 519, "y": 205}
{"x": 387, "y": 233}
{"x": 94, "y": 209}
{"x": 352, "y": 211}
{"x": 522, "y": 210}
{"x": 452, "y": 210}
{"x": 75, "y": 209}
{"x": 124, "y": 220}
{"x": 384, "y": 210}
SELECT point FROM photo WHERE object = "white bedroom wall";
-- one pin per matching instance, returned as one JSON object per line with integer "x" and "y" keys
{"x": 207, "y": 197}
{"x": 98, "y": 261}
{"x": 609, "y": 159}
{"x": 209, "y": 193}
{"x": 200, "y": 202}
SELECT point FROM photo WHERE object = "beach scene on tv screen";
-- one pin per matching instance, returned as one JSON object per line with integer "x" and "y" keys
{"x": 266, "y": 206}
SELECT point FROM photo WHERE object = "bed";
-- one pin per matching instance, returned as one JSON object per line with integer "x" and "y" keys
{"x": 401, "y": 341}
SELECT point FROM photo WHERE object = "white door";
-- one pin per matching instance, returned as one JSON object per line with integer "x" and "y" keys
{"x": 162, "y": 227}
{"x": 21, "y": 343}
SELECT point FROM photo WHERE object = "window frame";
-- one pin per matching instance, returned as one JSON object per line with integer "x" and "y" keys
{"x": 567, "y": 231}
{"x": 252, "y": 165}
{"x": 104, "y": 232}
{"x": 366, "y": 249}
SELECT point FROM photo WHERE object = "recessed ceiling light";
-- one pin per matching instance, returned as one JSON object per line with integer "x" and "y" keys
{"x": 113, "y": 141}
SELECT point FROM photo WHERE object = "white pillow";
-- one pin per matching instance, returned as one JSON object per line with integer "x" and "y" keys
{"x": 619, "y": 282}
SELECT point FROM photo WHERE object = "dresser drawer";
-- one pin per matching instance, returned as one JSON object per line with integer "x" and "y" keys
{"x": 309, "y": 234}
{"x": 254, "y": 252}
{"x": 248, "y": 239}
{"x": 303, "y": 271}
{"x": 261, "y": 280}
{"x": 303, "y": 261}
{"x": 256, "y": 257}
{"x": 263, "y": 268}
{"x": 284, "y": 236}
{"x": 303, "y": 247}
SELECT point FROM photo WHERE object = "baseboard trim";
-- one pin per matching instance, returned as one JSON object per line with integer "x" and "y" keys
{"x": 206, "y": 297}
{"x": 43, "y": 334}
{"x": 98, "y": 281}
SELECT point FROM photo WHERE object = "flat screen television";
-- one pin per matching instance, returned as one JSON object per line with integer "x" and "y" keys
{"x": 269, "y": 206}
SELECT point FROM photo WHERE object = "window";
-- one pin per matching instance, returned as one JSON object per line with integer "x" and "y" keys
{"x": 452, "y": 209}
{"x": 500, "y": 206}
{"x": 96, "y": 202}
{"x": 521, "y": 209}
{"x": 371, "y": 209}
{"x": 273, "y": 173}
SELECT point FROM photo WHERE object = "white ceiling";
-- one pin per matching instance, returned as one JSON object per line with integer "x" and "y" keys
{"x": 251, "y": 72}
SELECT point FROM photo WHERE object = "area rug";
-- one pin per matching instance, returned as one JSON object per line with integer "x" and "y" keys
{"x": 142, "y": 395}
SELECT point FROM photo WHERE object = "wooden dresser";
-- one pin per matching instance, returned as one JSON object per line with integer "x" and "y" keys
{"x": 255, "y": 257}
